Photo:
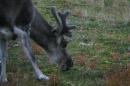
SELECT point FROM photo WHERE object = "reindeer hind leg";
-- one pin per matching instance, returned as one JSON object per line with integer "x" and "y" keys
{"x": 3, "y": 53}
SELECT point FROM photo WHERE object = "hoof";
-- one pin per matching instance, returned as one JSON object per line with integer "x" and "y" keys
{"x": 43, "y": 77}
{"x": 3, "y": 80}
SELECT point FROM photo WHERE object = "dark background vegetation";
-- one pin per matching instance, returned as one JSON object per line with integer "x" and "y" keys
{"x": 100, "y": 46}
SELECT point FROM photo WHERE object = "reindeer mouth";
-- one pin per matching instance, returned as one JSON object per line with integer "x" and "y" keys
{"x": 66, "y": 65}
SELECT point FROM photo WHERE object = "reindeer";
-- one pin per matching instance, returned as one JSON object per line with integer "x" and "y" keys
{"x": 18, "y": 18}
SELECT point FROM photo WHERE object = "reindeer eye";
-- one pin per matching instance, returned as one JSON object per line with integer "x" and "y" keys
{"x": 54, "y": 32}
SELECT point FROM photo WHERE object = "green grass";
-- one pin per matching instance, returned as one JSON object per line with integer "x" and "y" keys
{"x": 102, "y": 35}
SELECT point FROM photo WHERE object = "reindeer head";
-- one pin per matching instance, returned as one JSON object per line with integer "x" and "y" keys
{"x": 59, "y": 39}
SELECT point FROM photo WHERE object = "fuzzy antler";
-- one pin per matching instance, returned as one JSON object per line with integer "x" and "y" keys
{"x": 66, "y": 27}
{"x": 61, "y": 17}
{"x": 59, "y": 27}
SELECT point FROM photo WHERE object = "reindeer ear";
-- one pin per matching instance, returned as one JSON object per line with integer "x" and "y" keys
{"x": 71, "y": 27}
{"x": 67, "y": 13}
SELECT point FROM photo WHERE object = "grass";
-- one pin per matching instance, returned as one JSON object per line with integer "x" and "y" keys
{"x": 100, "y": 46}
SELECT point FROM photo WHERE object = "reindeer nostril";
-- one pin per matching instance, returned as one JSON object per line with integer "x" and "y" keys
{"x": 64, "y": 67}
{"x": 67, "y": 65}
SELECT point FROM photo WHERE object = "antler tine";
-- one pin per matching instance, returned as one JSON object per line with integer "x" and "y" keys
{"x": 66, "y": 27}
{"x": 63, "y": 17}
{"x": 64, "y": 14}
{"x": 58, "y": 19}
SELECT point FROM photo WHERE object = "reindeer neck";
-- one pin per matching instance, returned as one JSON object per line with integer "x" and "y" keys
{"x": 40, "y": 29}
{"x": 40, "y": 24}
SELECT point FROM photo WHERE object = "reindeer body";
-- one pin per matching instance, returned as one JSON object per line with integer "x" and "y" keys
{"x": 15, "y": 12}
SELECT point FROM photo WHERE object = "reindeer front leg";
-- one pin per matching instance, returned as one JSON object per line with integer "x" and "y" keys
{"x": 3, "y": 53}
{"x": 28, "y": 51}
